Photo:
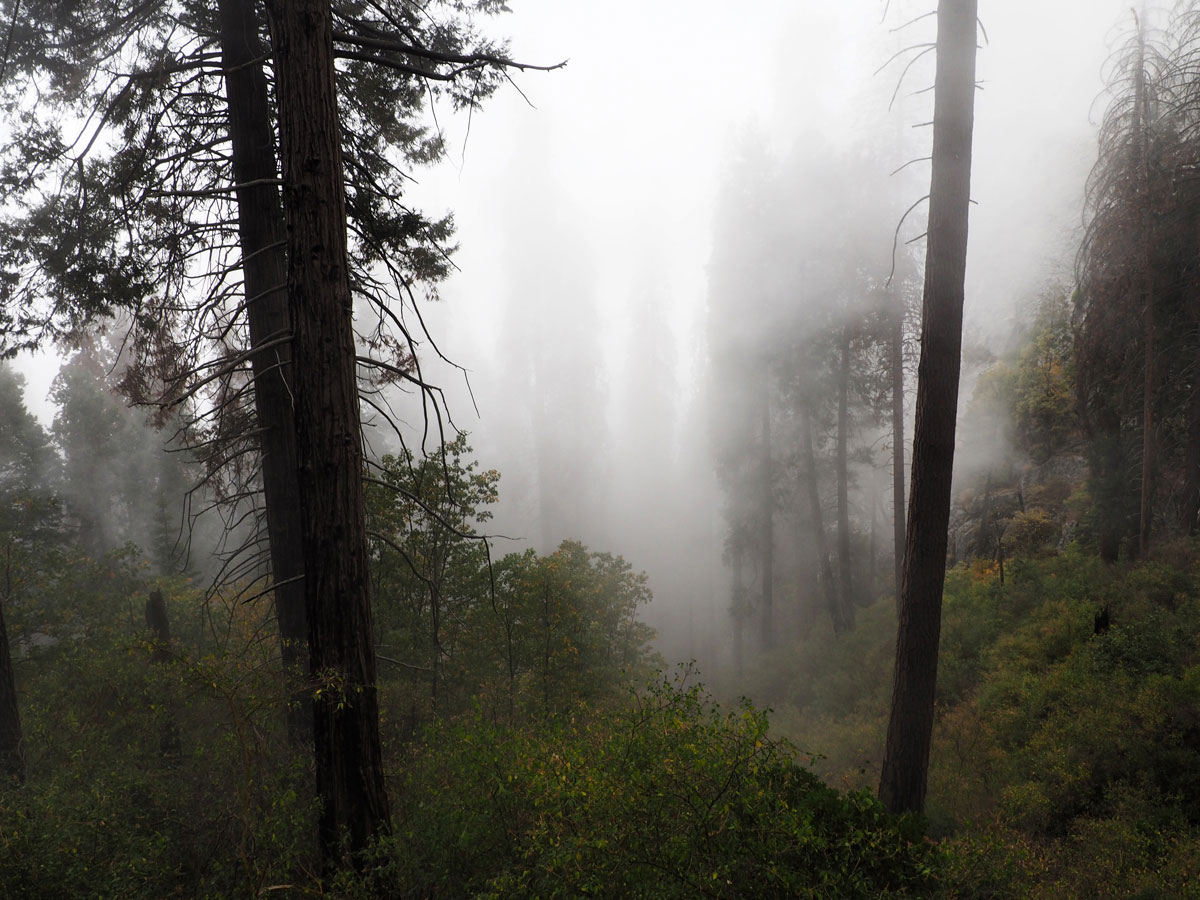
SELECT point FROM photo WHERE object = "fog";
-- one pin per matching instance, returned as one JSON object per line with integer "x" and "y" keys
{"x": 594, "y": 224}
{"x": 588, "y": 217}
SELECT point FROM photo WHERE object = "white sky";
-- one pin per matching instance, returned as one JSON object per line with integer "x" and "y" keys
{"x": 630, "y": 137}
{"x": 626, "y": 144}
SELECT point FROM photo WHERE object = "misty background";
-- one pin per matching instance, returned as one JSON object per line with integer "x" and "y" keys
{"x": 591, "y": 228}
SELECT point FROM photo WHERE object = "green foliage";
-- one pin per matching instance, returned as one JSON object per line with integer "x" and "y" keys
{"x": 663, "y": 796}
{"x": 1042, "y": 385}
{"x": 155, "y": 779}
{"x": 529, "y": 631}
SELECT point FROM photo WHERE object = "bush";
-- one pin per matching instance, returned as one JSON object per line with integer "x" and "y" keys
{"x": 665, "y": 797}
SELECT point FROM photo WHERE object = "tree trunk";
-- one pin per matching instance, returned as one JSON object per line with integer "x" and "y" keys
{"x": 828, "y": 586}
{"x": 906, "y": 757}
{"x": 1142, "y": 150}
{"x": 263, "y": 235}
{"x": 169, "y": 742}
{"x": 739, "y": 616}
{"x": 1189, "y": 510}
{"x": 845, "y": 567}
{"x": 159, "y": 625}
{"x": 12, "y": 744}
{"x": 348, "y": 755}
{"x": 898, "y": 510}
{"x": 768, "y": 525}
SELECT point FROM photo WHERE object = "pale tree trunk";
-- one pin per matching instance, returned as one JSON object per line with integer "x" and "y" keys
{"x": 263, "y": 234}
{"x": 768, "y": 526}
{"x": 739, "y": 616}
{"x": 898, "y": 510}
{"x": 906, "y": 758}
{"x": 348, "y": 755}
{"x": 828, "y": 585}
{"x": 845, "y": 566}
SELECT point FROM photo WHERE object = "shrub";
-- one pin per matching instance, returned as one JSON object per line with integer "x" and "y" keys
{"x": 665, "y": 797}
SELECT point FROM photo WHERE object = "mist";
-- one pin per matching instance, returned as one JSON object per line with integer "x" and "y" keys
{"x": 605, "y": 259}
{"x": 609, "y": 252}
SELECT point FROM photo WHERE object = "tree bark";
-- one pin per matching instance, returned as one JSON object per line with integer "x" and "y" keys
{"x": 263, "y": 236}
{"x": 348, "y": 755}
{"x": 906, "y": 758}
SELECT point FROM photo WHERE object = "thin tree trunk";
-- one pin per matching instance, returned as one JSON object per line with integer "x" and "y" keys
{"x": 898, "y": 509}
{"x": 1189, "y": 510}
{"x": 263, "y": 235}
{"x": 12, "y": 742}
{"x": 873, "y": 549}
{"x": 348, "y": 754}
{"x": 768, "y": 526}
{"x": 845, "y": 565}
{"x": 169, "y": 742}
{"x": 739, "y": 616}
{"x": 828, "y": 586}
{"x": 906, "y": 758}
{"x": 1145, "y": 511}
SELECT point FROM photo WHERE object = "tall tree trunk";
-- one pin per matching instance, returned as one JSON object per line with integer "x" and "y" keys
{"x": 739, "y": 616}
{"x": 12, "y": 743}
{"x": 1142, "y": 151}
{"x": 898, "y": 510}
{"x": 768, "y": 525}
{"x": 845, "y": 567}
{"x": 1141, "y": 125}
{"x": 1141, "y": 164}
{"x": 348, "y": 755}
{"x": 906, "y": 757}
{"x": 263, "y": 236}
{"x": 1189, "y": 510}
{"x": 1146, "y": 503}
{"x": 828, "y": 585}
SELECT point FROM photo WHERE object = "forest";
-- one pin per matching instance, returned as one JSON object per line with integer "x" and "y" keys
{"x": 796, "y": 576}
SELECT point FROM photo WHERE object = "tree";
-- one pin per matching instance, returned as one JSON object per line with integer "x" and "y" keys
{"x": 28, "y": 516}
{"x": 176, "y": 158}
{"x": 348, "y": 753}
{"x": 429, "y": 566}
{"x": 906, "y": 759}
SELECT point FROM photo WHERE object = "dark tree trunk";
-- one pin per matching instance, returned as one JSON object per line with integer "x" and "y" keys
{"x": 1142, "y": 151}
{"x": 768, "y": 525}
{"x": 169, "y": 742}
{"x": 906, "y": 758}
{"x": 263, "y": 235}
{"x": 1189, "y": 510}
{"x": 898, "y": 510}
{"x": 348, "y": 757}
{"x": 828, "y": 585}
{"x": 159, "y": 625}
{"x": 845, "y": 566}
{"x": 12, "y": 744}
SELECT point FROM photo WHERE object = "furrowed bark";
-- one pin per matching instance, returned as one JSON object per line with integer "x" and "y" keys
{"x": 348, "y": 755}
